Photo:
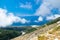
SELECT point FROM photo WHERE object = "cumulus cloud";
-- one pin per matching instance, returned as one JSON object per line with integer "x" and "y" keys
{"x": 39, "y": 19}
{"x": 42, "y": 10}
{"x": 53, "y": 3}
{"x": 27, "y": 5}
{"x": 52, "y": 17}
{"x": 23, "y": 21}
{"x": 47, "y": 6}
{"x": 10, "y": 18}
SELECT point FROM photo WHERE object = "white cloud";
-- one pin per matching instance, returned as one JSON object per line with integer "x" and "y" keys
{"x": 52, "y": 17}
{"x": 47, "y": 6}
{"x": 54, "y": 3}
{"x": 34, "y": 26}
{"x": 24, "y": 21}
{"x": 57, "y": 15}
{"x": 39, "y": 19}
{"x": 8, "y": 19}
{"x": 43, "y": 10}
{"x": 27, "y": 5}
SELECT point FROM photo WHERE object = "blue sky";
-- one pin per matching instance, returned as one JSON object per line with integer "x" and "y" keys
{"x": 28, "y": 11}
{"x": 20, "y": 6}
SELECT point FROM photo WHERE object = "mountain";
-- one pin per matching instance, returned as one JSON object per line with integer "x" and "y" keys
{"x": 51, "y": 31}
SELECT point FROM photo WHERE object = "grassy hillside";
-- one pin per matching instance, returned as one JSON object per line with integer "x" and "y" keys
{"x": 52, "y": 34}
{"x": 12, "y": 32}
{"x": 53, "y": 21}
{"x": 8, "y": 34}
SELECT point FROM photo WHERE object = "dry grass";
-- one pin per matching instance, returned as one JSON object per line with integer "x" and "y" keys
{"x": 53, "y": 34}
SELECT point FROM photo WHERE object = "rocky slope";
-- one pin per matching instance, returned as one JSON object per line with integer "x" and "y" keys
{"x": 34, "y": 35}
